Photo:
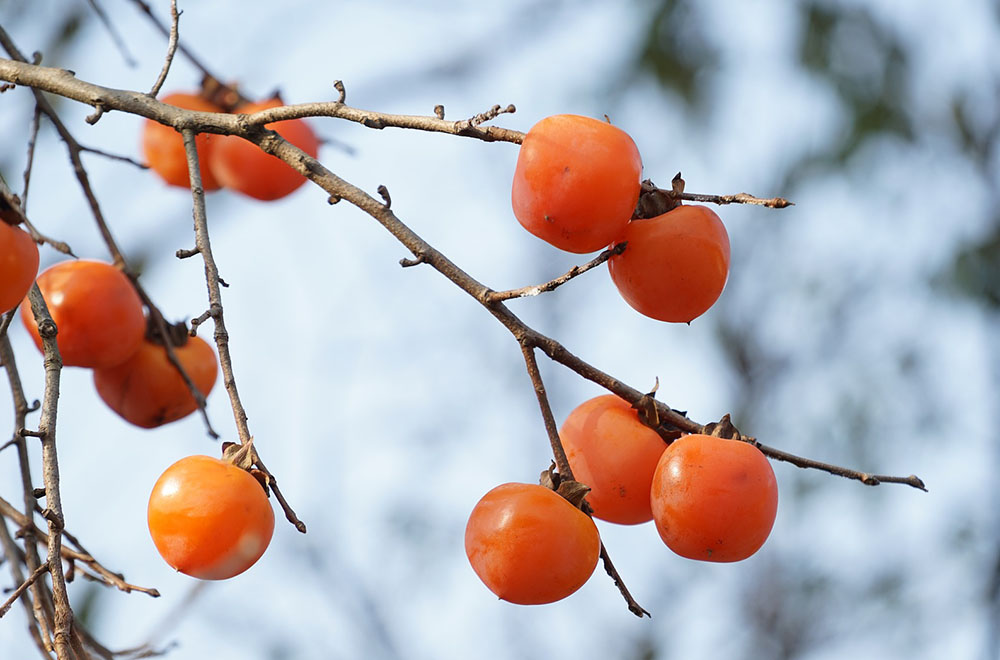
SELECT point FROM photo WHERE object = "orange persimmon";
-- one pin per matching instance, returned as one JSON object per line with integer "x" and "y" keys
{"x": 96, "y": 310}
{"x": 18, "y": 265}
{"x": 675, "y": 265}
{"x": 148, "y": 391}
{"x": 615, "y": 454}
{"x": 208, "y": 518}
{"x": 714, "y": 499}
{"x": 529, "y": 545}
{"x": 243, "y": 166}
{"x": 576, "y": 182}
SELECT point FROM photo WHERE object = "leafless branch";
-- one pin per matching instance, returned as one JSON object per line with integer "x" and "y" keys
{"x": 115, "y": 36}
{"x": 212, "y": 280}
{"x": 41, "y": 570}
{"x": 50, "y": 472}
{"x": 171, "y": 49}
{"x": 551, "y": 285}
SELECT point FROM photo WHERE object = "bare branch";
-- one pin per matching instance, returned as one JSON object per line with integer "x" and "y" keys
{"x": 864, "y": 477}
{"x": 551, "y": 285}
{"x": 551, "y": 428}
{"x": 738, "y": 198}
{"x": 171, "y": 49}
{"x": 115, "y": 36}
{"x": 609, "y": 567}
{"x": 41, "y": 570}
{"x": 50, "y": 471}
{"x": 204, "y": 247}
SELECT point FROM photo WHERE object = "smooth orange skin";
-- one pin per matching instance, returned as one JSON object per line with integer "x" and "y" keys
{"x": 576, "y": 182}
{"x": 163, "y": 147}
{"x": 242, "y": 166}
{"x": 96, "y": 309}
{"x": 676, "y": 264}
{"x": 714, "y": 499}
{"x": 529, "y": 546}
{"x": 209, "y": 519}
{"x": 615, "y": 454}
{"x": 147, "y": 390}
{"x": 18, "y": 265}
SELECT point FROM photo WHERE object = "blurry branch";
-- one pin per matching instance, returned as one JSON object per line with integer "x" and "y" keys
{"x": 203, "y": 246}
{"x": 22, "y": 588}
{"x": 115, "y": 36}
{"x": 40, "y": 597}
{"x": 79, "y": 556}
{"x": 36, "y": 120}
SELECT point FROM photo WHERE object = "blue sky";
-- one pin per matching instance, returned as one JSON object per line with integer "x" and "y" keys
{"x": 387, "y": 402}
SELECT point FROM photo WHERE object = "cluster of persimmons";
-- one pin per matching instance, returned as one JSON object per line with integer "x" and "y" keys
{"x": 576, "y": 186}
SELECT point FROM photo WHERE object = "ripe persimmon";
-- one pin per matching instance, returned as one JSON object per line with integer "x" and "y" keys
{"x": 96, "y": 310}
{"x": 147, "y": 390}
{"x": 615, "y": 454}
{"x": 163, "y": 147}
{"x": 675, "y": 265}
{"x": 714, "y": 499}
{"x": 529, "y": 545}
{"x": 576, "y": 182}
{"x": 18, "y": 265}
{"x": 241, "y": 165}
{"x": 209, "y": 518}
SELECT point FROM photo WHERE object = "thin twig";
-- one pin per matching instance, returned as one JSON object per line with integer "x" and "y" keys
{"x": 115, "y": 37}
{"x": 111, "y": 156}
{"x": 79, "y": 555}
{"x": 14, "y": 561}
{"x": 864, "y": 477}
{"x": 212, "y": 280}
{"x": 171, "y": 49}
{"x": 36, "y": 121}
{"x": 738, "y": 198}
{"x": 40, "y": 597}
{"x": 39, "y": 572}
{"x": 551, "y": 428}
{"x": 551, "y": 285}
{"x": 609, "y": 567}
{"x": 145, "y": 8}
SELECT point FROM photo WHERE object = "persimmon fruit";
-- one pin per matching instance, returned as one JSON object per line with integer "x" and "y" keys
{"x": 675, "y": 265}
{"x": 615, "y": 454}
{"x": 243, "y": 166}
{"x": 530, "y": 546}
{"x": 576, "y": 182}
{"x": 147, "y": 390}
{"x": 18, "y": 265}
{"x": 714, "y": 499}
{"x": 96, "y": 310}
{"x": 163, "y": 147}
{"x": 209, "y": 518}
